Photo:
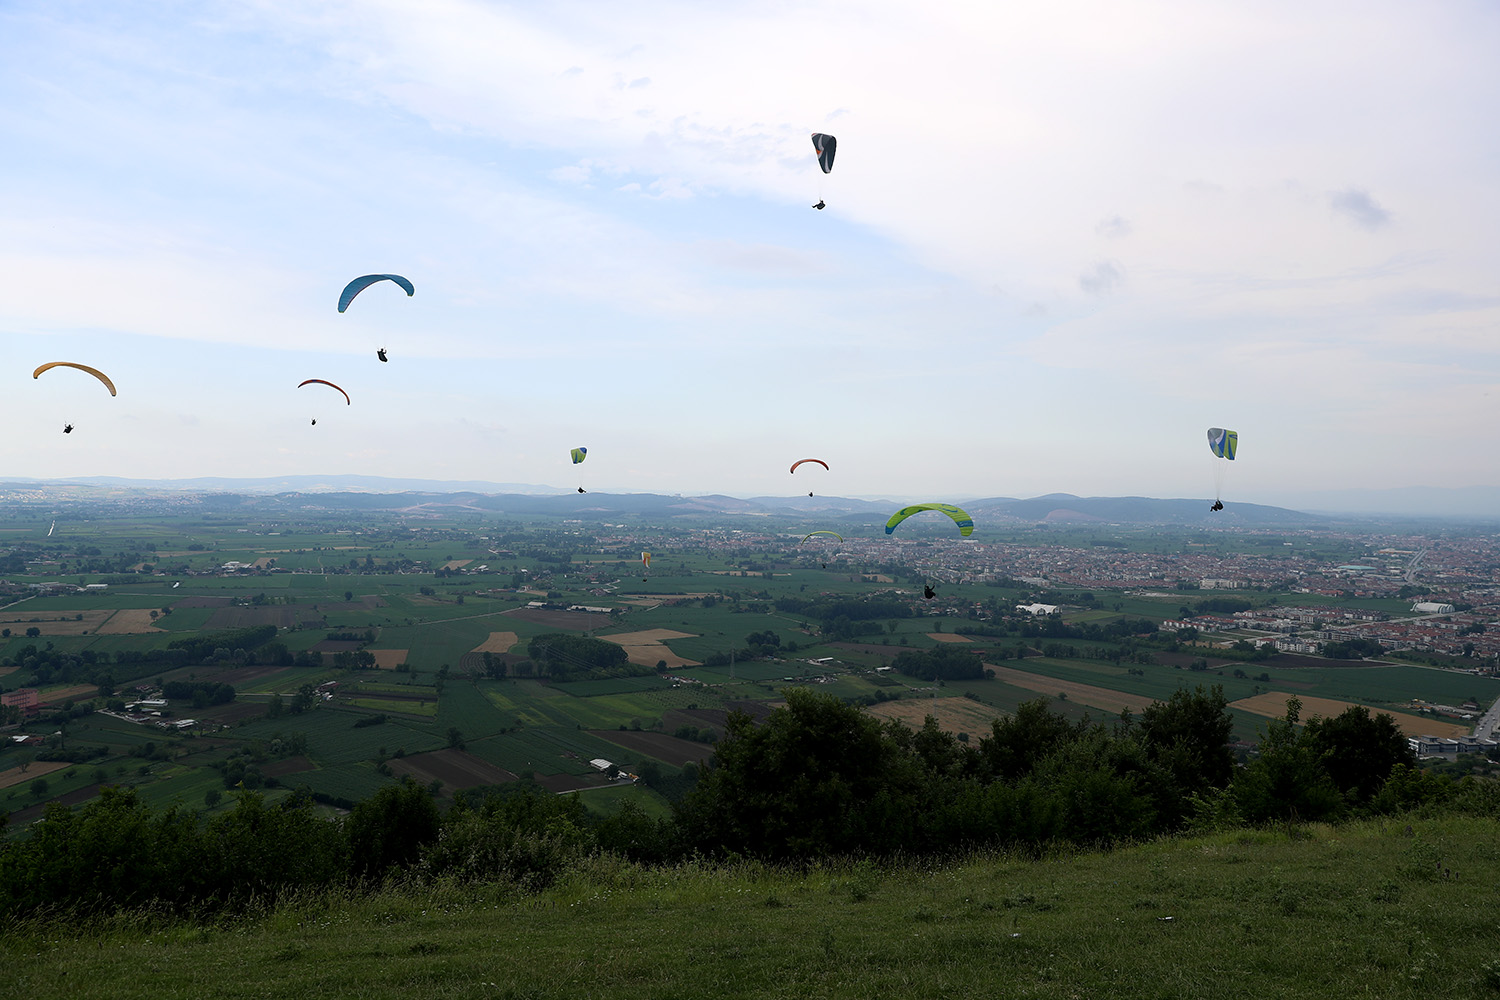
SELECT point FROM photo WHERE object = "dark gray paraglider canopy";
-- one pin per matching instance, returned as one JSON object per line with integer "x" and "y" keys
{"x": 825, "y": 145}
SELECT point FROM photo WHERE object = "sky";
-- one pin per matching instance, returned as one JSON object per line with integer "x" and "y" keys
{"x": 1061, "y": 241}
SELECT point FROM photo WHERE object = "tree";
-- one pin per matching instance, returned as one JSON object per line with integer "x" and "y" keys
{"x": 39, "y": 787}
{"x": 816, "y": 777}
{"x": 1018, "y": 742}
{"x": 455, "y": 738}
{"x": 1287, "y": 780}
{"x": 1359, "y": 751}
{"x": 390, "y": 829}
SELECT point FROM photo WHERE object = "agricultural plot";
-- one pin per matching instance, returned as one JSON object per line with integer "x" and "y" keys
{"x": 613, "y": 685}
{"x": 611, "y": 798}
{"x": 353, "y": 781}
{"x": 36, "y": 769}
{"x": 660, "y": 746}
{"x": 454, "y": 768}
{"x": 528, "y": 750}
{"x": 464, "y": 706}
{"x": 564, "y": 621}
{"x": 497, "y": 642}
{"x": 647, "y": 648}
{"x": 332, "y": 738}
{"x": 1102, "y": 698}
{"x": 752, "y": 670}
{"x": 400, "y": 706}
{"x": 953, "y": 715}
{"x": 1272, "y": 704}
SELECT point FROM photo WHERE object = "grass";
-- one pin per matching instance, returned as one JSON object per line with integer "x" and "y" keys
{"x": 1321, "y": 912}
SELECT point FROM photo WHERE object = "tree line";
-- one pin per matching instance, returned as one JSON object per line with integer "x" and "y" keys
{"x": 817, "y": 778}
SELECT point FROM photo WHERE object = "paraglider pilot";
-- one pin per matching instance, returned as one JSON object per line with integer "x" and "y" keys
{"x": 381, "y": 354}
{"x": 820, "y": 206}
{"x": 67, "y": 428}
{"x": 928, "y": 593}
{"x": 582, "y": 490}
{"x": 1217, "y": 505}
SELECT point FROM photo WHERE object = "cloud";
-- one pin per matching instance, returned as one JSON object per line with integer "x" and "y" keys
{"x": 1115, "y": 227}
{"x": 1101, "y": 279}
{"x": 1359, "y": 208}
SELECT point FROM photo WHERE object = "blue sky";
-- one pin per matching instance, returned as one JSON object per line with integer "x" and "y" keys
{"x": 1062, "y": 240}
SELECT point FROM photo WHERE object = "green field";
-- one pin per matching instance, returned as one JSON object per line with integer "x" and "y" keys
{"x": 384, "y": 573}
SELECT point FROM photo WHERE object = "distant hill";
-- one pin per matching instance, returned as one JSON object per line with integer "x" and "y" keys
{"x": 351, "y": 493}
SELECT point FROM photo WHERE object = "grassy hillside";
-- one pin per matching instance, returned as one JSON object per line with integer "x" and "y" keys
{"x": 1370, "y": 909}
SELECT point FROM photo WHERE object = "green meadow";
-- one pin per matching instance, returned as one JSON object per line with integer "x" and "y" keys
{"x": 1383, "y": 909}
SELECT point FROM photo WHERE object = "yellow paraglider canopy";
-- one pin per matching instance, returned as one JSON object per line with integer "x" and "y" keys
{"x": 83, "y": 368}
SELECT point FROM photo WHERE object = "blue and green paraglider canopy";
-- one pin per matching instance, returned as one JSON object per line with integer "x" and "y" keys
{"x": 1223, "y": 443}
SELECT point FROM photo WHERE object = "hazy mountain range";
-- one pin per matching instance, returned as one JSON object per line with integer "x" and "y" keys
{"x": 382, "y": 493}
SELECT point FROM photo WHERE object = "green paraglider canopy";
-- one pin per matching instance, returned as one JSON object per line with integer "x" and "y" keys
{"x": 960, "y": 516}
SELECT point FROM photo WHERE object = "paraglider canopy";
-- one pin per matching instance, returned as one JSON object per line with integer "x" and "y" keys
{"x": 1223, "y": 443}
{"x": 365, "y": 281}
{"x": 804, "y": 461}
{"x": 958, "y": 514}
{"x": 825, "y": 145}
{"x": 579, "y": 454}
{"x": 324, "y": 381}
{"x": 835, "y": 534}
{"x": 83, "y": 368}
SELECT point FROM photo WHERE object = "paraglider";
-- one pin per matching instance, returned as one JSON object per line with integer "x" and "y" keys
{"x": 958, "y": 514}
{"x": 835, "y": 534}
{"x": 804, "y": 461}
{"x": 324, "y": 381}
{"x": 365, "y": 281}
{"x": 927, "y": 592}
{"x": 825, "y": 146}
{"x": 1223, "y": 444}
{"x": 83, "y": 368}
{"x": 646, "y": 560}
{"x": 579, "y": 454}
{"x": 68, "y": 428}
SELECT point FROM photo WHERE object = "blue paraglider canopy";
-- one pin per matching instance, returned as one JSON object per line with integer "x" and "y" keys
{"x": 365, "y": 281}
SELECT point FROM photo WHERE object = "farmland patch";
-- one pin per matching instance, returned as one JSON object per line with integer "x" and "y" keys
{"x": 667, "y": 749}
{"x": 498, "y": 642}
{"x": 456, "y": 769}
{"x": 647, "y": 647}
{"x": 1272, "y": 705}
{"x": 575, "y": 621}
{"x": 63, "y": 694}
{"x": 954, "y": 715}
{"x": 130, "y": 621}
{"x": 52, "y": 623}
{"x": 1087, "y": 694}
{"x": 388, "y": 659}
{"x": 15, "y": 776}
{"x": 948, "y": 637}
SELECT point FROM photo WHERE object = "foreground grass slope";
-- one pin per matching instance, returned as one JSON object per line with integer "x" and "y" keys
{"x": 1378, "y": 909}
